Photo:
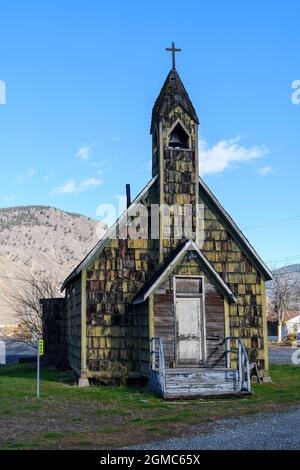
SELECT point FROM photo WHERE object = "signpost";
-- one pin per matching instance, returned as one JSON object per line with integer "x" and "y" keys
{"x": 40, "y": 352}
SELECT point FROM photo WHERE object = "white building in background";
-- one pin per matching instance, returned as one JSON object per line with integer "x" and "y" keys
{"x": 293, "y": 325}
{"x": 2, "y": 352}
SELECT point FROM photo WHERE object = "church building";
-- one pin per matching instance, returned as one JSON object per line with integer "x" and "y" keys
{"x": 183, "y": 304}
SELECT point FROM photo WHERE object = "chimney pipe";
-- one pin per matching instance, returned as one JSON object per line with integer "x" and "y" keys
{"x": 128, "y": 195}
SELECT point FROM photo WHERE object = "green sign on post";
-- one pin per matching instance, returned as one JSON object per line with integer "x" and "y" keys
{"x": 41, "y": 347}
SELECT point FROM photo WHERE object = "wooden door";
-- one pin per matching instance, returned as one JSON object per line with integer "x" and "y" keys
{"x": 189, "y": 327}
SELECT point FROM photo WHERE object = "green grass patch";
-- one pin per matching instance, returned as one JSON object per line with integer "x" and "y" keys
{"x": 106, "y": 417}
{"x": 21, "y": 446}
{"x": 107, "y": 431}
{"x": 53, "y": 435}
{"x": 85, "y": 443}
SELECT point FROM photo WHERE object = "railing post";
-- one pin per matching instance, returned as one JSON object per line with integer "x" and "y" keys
{"x": 248, "y": 376}
{"x": 153, "y": 353}
{"x": 243, "y": 362}
{"x": 162, "y": 365}
{"x": 227, "y": 345}
{"x": 240, "y": 363}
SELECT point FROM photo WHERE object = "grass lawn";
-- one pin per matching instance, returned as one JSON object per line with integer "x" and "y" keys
{"x": 67, "y": 417}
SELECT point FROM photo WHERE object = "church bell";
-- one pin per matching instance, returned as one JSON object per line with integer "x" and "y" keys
{"x": 178, "y": 138}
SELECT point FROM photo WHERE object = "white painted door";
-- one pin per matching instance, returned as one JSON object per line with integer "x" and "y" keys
{"x": 189, "y": 347}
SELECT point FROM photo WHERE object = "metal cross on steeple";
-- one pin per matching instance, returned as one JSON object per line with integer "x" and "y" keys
{"x": 173, "y": 50}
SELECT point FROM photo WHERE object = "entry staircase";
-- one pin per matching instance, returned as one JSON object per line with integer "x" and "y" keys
{"x": 191, "y": 382}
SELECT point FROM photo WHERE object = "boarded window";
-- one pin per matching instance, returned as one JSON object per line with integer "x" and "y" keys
{"x": 188, "y": 287}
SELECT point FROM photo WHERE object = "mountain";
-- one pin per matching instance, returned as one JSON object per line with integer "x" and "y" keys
{"x": 292, "y": 271}
{"x": 41, "y": 240}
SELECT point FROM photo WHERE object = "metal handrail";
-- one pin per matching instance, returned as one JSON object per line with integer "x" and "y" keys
{"x": 158, "y": 361}
{"x": 243, "y": 362}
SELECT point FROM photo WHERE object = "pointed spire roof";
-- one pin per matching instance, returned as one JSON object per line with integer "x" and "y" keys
{"x": 172, "y": 93}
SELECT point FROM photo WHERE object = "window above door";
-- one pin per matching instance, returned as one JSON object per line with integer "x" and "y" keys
{"x": 188, "y": 286}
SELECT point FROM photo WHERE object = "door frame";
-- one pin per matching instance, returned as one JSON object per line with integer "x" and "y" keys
{"x": 202, "y": 362}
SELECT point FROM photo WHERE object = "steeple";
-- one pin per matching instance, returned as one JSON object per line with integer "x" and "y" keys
{"x": 172, "y": 93}
{"x": 174, "y": 130}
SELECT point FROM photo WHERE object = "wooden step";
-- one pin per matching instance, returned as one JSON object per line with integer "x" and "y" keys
{"x": 195, "y": 382}
{"x": 213, "y": 394}
{"x": 200, "y": 375}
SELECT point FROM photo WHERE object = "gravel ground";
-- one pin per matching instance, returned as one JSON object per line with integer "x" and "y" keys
{"x": 274, "y": 431}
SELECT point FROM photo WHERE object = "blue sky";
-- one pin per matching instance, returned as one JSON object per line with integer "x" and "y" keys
{"x": 82, "y": 76}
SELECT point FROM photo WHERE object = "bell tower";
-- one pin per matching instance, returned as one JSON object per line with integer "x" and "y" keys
{"x": 174, "y": 130}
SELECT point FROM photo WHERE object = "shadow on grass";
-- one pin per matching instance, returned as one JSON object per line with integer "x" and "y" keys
{"x": 15, "y": 378}
{"x": 28, "y": 371}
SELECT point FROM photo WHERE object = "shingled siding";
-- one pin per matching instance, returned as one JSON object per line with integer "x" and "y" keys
{"x": 164, "y": 315}
{"x": 229, "y": 260}
{"x": 113, "y": 279}
{"x": 179, "y": 188}
{"x": 179, "y": 170}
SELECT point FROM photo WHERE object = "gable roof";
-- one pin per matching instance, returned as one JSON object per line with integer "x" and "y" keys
{"x": 253, "y": 255}
{"x": 240, "y": 237}
{"x": 103, "y": 242}
{"x": 172, "y": 93}
{"x": 170, "y": 263}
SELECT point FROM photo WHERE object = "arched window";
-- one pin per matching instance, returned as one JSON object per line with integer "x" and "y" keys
{"x": 178, "y": 138}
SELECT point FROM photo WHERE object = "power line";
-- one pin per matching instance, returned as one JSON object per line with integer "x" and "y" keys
{"x": 274, "y": 222}
{"x": 278, "y": 260}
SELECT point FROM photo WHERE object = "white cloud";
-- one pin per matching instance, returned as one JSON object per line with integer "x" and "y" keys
{"x": 90, "y": 183}
{"x": 266, "y": 170}
{"x": 69, "y": 186}
{"x": 25, "y": 176}
{"x": 225, "y": 154}
{"x": 100, "y": 165}
{"x": 66, "y": 188}
{"x": 84, "y": 153}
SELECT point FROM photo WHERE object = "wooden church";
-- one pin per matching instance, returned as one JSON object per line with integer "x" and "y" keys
{"x": 188, "y": 313}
